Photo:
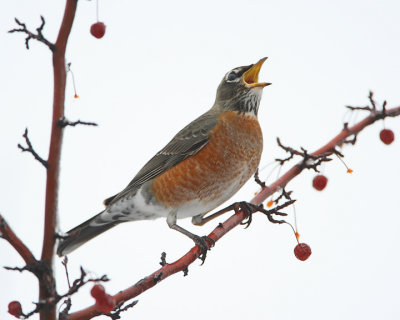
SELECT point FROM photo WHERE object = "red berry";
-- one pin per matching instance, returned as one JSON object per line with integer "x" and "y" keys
{"x": 98, "y": 30}
{"x": 302, "y": 251}
{"x": 97, "y": 291}
{"x": 105, "y": 304}
{"x": 15, "y": 309}
{"x": 319, "y": 182}
{"x": 387, "y": 136}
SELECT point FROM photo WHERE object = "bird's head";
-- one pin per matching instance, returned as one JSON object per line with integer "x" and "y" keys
{"x": 240, "y": 90}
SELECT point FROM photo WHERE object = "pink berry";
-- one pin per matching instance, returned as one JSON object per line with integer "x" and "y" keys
{"x": 97, "y": 291}
{"x": 302, "y": 251}
{"x": 319, "y": 182}
{"x": 387, "y": 136}
{"x": 98, "y": 30}
{"x": 15, "y": 309}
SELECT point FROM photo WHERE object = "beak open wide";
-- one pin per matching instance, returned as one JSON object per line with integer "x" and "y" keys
{"x": 250, "y": 77}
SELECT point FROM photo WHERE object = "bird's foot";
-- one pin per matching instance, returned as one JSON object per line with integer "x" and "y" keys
{"x": 248, "y": 208}
{"x": 205, "y": 243}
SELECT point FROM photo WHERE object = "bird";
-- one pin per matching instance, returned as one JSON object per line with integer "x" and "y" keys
{"x": 202, "y": 167}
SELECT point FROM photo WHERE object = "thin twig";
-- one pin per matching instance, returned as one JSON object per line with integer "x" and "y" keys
{"x": 31, "y": 150}
{"x": 30, "y": 35}
{"x": 63, "y": 122}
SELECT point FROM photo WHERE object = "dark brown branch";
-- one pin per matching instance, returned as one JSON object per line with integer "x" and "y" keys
{"x": 63, "y": 122}
{"x": 31, "y": 150}
{"x": 30, "y": 35}
{"x": 258, "y": 181}
{"x": 120, "y": 308}
{"x": 163, "y": 261}
{"x": 79, "y": 283}
{"x": 310, "y": 161}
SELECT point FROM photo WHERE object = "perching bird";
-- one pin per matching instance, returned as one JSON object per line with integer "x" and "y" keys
{"x": 204, "y": 165}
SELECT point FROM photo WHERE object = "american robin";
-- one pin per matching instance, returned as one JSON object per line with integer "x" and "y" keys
{"x": 204, "y": 165}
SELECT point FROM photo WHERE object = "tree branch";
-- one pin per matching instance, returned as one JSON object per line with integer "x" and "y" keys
{"x": 223, "y": 228}
{"x": 64, "y": 122}
{"x": 8, "y": 234}
{"x": 31, "y": 150}
{"x": 39, "y": 36}
{"x": 48, "y": 292}
{"x": 329, "y": 147}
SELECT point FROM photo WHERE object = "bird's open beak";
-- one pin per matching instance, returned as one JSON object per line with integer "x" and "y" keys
{"x": 250, "y": 77}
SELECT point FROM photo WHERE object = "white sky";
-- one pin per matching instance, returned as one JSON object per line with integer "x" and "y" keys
{"x": 156, "y": 69}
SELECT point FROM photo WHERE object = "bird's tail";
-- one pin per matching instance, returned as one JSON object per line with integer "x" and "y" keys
{"x": 85, "y": 232}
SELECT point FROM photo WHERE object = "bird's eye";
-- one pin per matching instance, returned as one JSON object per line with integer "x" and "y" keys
{"x": 232, "y": 76}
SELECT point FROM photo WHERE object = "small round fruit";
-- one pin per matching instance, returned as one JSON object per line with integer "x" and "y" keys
{"x": 98, "y": 30}
{"x": 387, "y": 136}
{"x": 97, "y": 291}
{"x": 302, "y": 251}
{"x": 319, "y": 182}
{"x": 105, "y": 304}
{"x": 15, "y": 309}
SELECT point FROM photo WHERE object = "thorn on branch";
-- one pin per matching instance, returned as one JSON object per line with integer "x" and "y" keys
{"x": 371, "y": 99}
{"x": 31, "y": 150}
{"x": 30, "y": 35}
{"x": 157, "y": 278}
{"x": 366, "y": 108}
{"x": 163, "y": 259}
{"x": 373, "y": 109}
{"x": 309, "y": 161}
{"x": 25, "y": 268}
{"x": 63, "y": 315}
{"x": 350, "y": 141}
{"x": 258, "y": 181}
{"x": 284, "y": 194}
{"x": 78, "y": 283}
{"x": 63, "y": 122}
{"x": 116, "y": 314}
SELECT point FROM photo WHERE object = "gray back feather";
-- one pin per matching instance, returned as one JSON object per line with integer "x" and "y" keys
{"x": 186, "y": 143}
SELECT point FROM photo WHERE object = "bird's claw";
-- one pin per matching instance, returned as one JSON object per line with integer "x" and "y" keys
{"x": 248, "y": 209}
{"x": 203, "y": 243}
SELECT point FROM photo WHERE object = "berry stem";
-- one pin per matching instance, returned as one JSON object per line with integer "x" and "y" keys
{"x": 97, "y": 10}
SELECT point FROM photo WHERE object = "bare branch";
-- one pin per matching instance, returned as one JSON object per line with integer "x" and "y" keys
{"x": 116, "y": 314}
{"x": 31, "y": 150}
{"x": 30, "y": 35}
{"x": 79, "y": 283}
{"x": 326, "y": 149}
{"x": 258, "y": 181}
{"x": 8, "y": 234}
{"x": 63, "y": 122}
{"x": 310, "y": 161}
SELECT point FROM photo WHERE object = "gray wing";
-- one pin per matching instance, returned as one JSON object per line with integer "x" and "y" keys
{"x": 186, "y": 143}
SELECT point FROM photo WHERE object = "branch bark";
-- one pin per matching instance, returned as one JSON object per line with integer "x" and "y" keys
{"x": 330, "y": 146}
{"x": 48, "y": 291}
{"x": 182, "y": 264}
{"x": 8, "y": 234}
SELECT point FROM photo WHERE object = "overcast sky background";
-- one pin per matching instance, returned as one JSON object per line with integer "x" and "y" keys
{"x": 156, "y": 69}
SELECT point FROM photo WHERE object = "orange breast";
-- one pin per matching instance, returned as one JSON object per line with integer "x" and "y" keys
{"x": 218, "y": 170}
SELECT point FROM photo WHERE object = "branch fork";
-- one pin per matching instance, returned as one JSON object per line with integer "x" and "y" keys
{"x": 30, "y": 35}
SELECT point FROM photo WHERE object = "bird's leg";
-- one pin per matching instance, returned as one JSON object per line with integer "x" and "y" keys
{"x": 200, "y": 241}
{"x": 247, "y": 207}
{"x": 200, "y": 220}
